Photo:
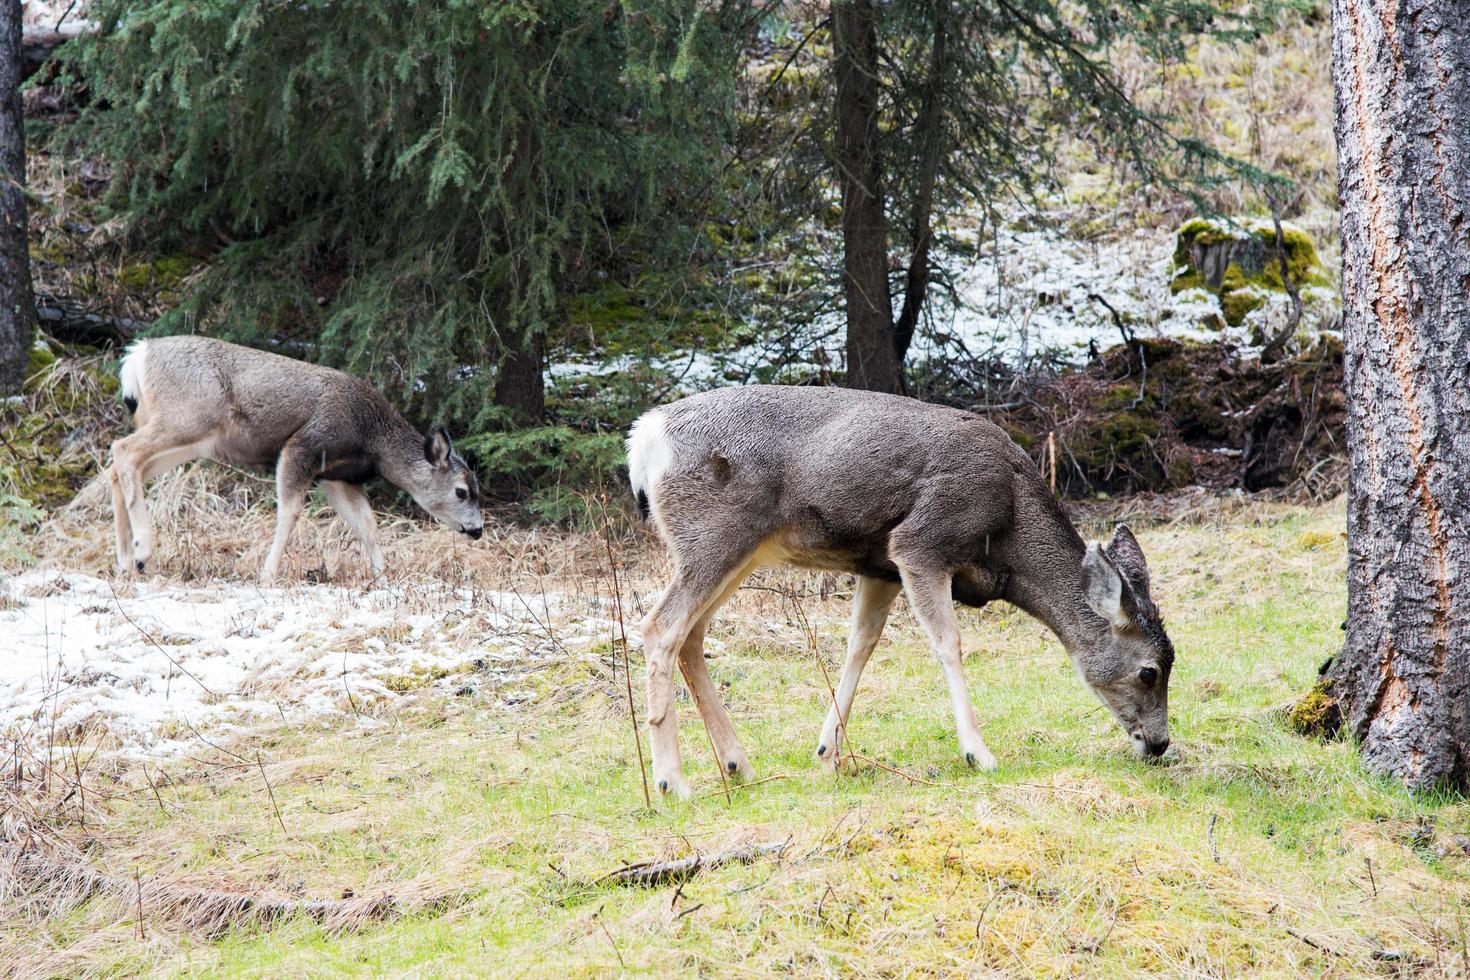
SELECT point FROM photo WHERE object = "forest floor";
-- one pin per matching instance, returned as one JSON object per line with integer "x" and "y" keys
{"x": 400, "y": 758}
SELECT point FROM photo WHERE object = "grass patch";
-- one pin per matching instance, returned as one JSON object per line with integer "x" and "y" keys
{"x": 1258, "y": 852}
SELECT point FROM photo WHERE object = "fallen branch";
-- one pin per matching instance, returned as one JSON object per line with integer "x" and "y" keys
{"x": 651, "y": 874}
{"x": 69, "y": 323}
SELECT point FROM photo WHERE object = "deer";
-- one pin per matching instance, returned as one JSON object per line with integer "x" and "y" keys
{"x": 199, "y": 398}
{"x": 907, "y": 496}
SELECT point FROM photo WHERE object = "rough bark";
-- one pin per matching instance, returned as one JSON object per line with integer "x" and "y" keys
{"x": 871, "y": 359}
{"x": 1402, "y": 78}
{"x": 17, "y": 305}
{"x": 521, "y": 388}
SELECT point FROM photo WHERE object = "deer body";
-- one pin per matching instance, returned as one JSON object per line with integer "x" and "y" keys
{"x": 907, "y": 496}
{"x": 198, "y": 398}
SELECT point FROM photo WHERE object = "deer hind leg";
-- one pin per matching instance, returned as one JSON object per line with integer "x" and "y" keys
{"x": 928, "y": 589}
{"x": 351, "y": 504}
{"x": 870, "y": 605}
{"x": 293, "y": 479}
{"x": 698, "y": 584}
{"x": 704, "y": 692}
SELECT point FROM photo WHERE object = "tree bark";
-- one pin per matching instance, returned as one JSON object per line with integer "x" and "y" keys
{"x": 521, "y": 388}
{"x": 1402, "y": 78}
{"x": 17, "y": 305}
{"x": 871, "y": 359}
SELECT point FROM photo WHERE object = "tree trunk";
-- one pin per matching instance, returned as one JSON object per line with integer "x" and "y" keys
{"x": 921, "y": 235}
{"x": 521, "y": 389}
{"x": 1402, "y": 77}
{"x": 17, "y": 305}
{"x": 871, "y": 360}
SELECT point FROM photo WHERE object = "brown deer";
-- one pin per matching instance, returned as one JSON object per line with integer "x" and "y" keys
{"x": 197, "y": 398}
{"x": 907, "y": 496}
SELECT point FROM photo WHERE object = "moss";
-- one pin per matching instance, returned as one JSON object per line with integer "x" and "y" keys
{"x": 417, "y": 677}
{"x": 160, "y": 274}
{"x": 42, "y": 357}
{"x": 1237, "y": 303}
{"x": 1317, "y": 714}
{"x": 1240, "y": 262}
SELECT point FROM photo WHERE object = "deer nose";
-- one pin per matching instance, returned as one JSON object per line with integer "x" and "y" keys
{"x": 1159, "y": 747}
{"x": 473, "y": 532}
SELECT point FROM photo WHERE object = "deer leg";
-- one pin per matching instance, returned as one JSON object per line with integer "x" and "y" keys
{"x": 706, "y": 695}
{"x": 120, "y": 523}
{"x": 695, "y": 588}
{"x": 135, "y": 460}
{"x": 351, "y": 504}
{"x": 293, "y": 479}
{"x": 928, "y": 590}
{"x": 870, "y": 606}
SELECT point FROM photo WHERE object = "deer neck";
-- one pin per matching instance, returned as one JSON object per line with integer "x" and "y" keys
{"x": 397, "y": 450}
{"x": 1046, "y": 582}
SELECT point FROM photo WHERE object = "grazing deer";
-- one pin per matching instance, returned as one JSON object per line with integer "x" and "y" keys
{"x": 197, "y": 398}
{"x": 934, "y": 501}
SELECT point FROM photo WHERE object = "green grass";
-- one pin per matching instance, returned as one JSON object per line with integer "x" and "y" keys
{"x": 1256, "y": 853}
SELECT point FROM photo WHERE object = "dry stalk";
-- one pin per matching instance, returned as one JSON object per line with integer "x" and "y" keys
{"x": 622, "y": 639}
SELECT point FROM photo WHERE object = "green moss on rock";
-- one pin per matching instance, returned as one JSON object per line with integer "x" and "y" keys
{"x": 1241, "y": 263}
{"x": 1317, "y": 714}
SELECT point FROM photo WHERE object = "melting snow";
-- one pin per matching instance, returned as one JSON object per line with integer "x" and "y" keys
{"x": 1027, "y": 292}
{"x": 159, "y": 665}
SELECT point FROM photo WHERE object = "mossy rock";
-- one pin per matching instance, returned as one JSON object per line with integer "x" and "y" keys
{"x": 1240, "y": 262}
{"x": 1317, "y": 714}
{"x": 1235, "y": 304}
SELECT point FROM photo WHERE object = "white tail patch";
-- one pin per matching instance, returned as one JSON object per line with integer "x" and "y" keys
{"x": 648, "y": 454}
{"x": 131, "y": 373}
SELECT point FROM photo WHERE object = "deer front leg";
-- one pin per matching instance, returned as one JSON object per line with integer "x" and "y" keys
{"x": 929, "y": 592}
{"x": 351, "y": 504}
{"x": 293, "y": 479}
{"x": 870, "y": 605}
{"x": 121, "y": 526}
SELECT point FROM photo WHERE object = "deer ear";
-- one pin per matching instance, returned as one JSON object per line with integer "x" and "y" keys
{"x": 1128, "y": 557}
{"x": 437, "y": 446}
{"x": 1103, "y": 587}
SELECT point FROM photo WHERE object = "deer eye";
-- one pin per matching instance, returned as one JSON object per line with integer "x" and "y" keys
{"x": 461, "y": 493}
{"x": 1148, "y": 675}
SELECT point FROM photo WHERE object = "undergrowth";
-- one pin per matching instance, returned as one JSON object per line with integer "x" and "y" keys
{"x": 1257, "y": 852}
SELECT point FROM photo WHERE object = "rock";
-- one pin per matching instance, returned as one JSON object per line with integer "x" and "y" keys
{"x": 1240, "y": 263}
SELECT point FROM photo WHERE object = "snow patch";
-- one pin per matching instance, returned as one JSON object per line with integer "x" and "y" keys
{"x": 157, "y": 666}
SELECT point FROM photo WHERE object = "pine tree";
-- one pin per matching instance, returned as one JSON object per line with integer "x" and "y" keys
{"x": 410, "y": 191}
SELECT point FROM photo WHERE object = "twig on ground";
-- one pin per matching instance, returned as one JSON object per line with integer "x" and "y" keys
{"x": 1314, "y": 943}
{"x": 272, "y": 793}
{"x": 597, "y": 917}
{"x": 1210, "y": 830}
{"x": 155, "y": 644}
{"x": 651, "y": 874}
